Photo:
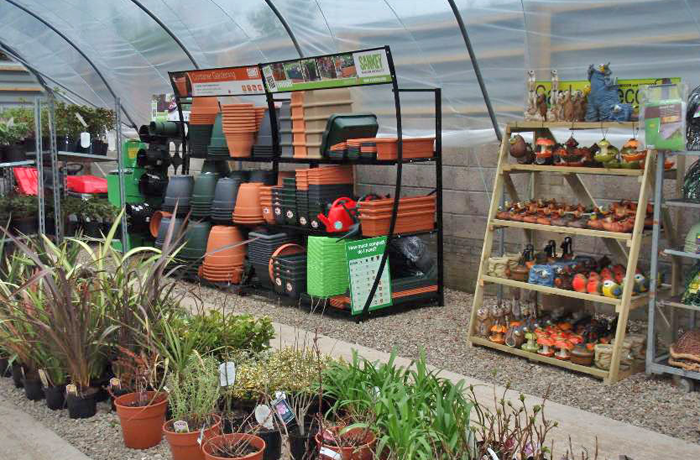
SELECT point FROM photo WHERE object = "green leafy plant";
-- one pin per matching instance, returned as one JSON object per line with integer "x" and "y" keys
{"x": 22, "y": 206}
{"x": 194, "y": 392}
{"x": 12, "y": 131}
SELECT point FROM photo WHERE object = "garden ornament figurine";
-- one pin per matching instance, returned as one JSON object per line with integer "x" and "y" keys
{"x": 603, "y": 100}
{"x": 531, "y": 113}
{"x": 553, "y": 112}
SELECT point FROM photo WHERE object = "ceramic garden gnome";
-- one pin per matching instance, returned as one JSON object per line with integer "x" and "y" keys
{"x": 603, "y": 100}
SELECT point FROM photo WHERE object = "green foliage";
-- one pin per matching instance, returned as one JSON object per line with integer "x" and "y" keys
{"x": 415, "y": 413}
{"x": 22, "y": 206}
{"x": 98, "y": 120}
{"x": 292, "y": 370}
{"x": 220, "y": 334}
{"x": 98, "y": 209}
{"x": 194, "y": 392}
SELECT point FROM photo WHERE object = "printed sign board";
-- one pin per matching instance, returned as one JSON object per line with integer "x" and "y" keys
{"x": 365, "y": 67}
{"x": 364, "y": 257}
{"x": 227, "y": 81}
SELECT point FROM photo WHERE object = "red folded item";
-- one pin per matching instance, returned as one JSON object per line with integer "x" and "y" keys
{"x": 87, "y": 184}
{"x": 26, "y": 179}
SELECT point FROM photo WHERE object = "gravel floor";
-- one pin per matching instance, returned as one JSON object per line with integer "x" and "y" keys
{"x": 649, "y": 402}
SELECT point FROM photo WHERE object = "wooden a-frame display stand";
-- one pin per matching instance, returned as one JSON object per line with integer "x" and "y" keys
{"x": 624, "y": 247}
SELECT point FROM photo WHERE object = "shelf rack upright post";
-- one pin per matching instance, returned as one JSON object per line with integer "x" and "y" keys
{"x": 625, "y": 246}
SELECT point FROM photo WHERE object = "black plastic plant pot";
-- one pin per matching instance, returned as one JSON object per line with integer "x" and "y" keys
{"x": 196, "y": 238}
{"x": 17, "y": 375}
{"x": 33, "y": 389}
{"x": 24, "y": 225}
{"x": 266, "y": 177}
{"x": 179, "y": 190}
{"x": 55, "y": 397}
{"x": 153, "y": 185}
{"x": 15, "y": 152}
{"x": 157, "y": 156}
{"x": 216, "y": 167}
{"x": 302, "y": 446}
{"x": 164, "y": 129}
{"x": 241, "y": 175}
{"x": 163, "y": 230}
{"x": 92, "y": 229}
{"x": 273, "y": 443}
{"x": 5, "y": 370}
{"x": 81, "y": 407}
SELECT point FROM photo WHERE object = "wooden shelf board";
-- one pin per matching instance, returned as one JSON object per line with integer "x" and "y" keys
{"x": 551, "y": 290}
{"x": 515, "y": 167}
{"x": 594, "y": 371}
{"x": 675, "y": 302}
{"x": 564, "y": 230}
{"x": 570, "y": 125}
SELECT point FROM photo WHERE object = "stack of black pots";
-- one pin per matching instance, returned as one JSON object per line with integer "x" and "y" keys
{"x": 290, "y": 274}
{"x": 260, "y": 250}
{"x": 224, "y": 201}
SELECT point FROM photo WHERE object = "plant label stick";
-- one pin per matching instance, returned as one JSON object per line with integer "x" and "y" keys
{"x": 200, "y": 439}
{"x": 325, "y": 452}
{"x": 43, "y": 378}
{"x": 284, "y": 412}
{"x": 181, "y": 426}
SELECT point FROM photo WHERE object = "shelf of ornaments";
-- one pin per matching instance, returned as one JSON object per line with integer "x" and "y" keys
{"x": 636, "y": 301}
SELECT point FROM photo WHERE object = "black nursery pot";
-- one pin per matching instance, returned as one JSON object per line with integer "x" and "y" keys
{"x": 55, "y": 397}
{"x": 115, "y": 393}
{"x": 5, "y": 370}
{"x": 24, "y": 225}
{"x": 17, "y": 375}
{"x": 81, "y": 407}
{"x": 302, "y": 446}
{"x": 92, "y": 229}
{"x": 33, "y": 389}
{"x": 273, "y": 444}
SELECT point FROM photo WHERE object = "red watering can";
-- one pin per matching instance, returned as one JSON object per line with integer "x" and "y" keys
{"x": 341, "y": 215}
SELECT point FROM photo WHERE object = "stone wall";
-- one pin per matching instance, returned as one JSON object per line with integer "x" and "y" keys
{"x": 468, "y": 176}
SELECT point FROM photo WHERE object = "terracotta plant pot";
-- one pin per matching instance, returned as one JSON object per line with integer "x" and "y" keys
{"x": 154, "y": 225}
{"x": 142, "y": 426}
{"x": 225, "y": 237}
{"x": 254, "y": 441}
{"x": 185, "y": 446}
{"x": 363, "y": 452}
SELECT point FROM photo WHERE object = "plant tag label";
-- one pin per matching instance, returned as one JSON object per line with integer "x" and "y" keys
{"x": 71, "y": 389}
{"x": 115, "y": 383}
{"x": 81, "y": 120}
{"x": 227, "y": 374}
{"x": 85, "y": 140}
{"x": 44, "y": 379}
{"x": 200, "y": 439}
{"x": 263, "y": 415}
{"x": 325, "y": 452}
{"x": 280, "y": 395}
{"x": 181, "y": 426}
{"x": 284, "y": 412}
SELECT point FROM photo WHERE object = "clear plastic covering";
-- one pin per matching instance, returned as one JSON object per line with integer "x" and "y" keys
{"x": 133, "y": 51}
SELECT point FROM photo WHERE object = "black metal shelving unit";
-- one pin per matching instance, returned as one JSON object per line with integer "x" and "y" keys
{"x": 274, "y": 96}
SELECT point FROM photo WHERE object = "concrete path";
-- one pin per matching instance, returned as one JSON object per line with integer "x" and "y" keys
{"x": 614, "y": 438}
{"x": 22, "y": 437}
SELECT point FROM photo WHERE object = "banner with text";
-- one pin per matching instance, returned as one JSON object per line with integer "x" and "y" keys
{"x": 366, "y": 67}
{"x": 628, "y": 89}
{"x": 228, "y": 81}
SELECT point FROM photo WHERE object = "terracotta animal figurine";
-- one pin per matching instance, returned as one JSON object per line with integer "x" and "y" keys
{"x": 579, "y": 106}
{"x": 531, "y": 109}
{"x": 484, "y": 322}
{"x": 553, "y": 112}
{"x": 603, "y": 100}
{"x": 542, "y": 107}
{"x": 568, "y": 107}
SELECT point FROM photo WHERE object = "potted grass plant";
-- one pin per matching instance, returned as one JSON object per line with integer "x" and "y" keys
{"x": 193, "y": 395}
{"x": 234, "y": 446}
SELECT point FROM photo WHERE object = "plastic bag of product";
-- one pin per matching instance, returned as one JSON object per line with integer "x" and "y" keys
{"x": 691, "y": 183}
{"x": 409, "y": 256}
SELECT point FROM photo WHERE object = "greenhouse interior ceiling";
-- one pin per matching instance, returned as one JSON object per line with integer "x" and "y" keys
{"x": 98, "y": 50}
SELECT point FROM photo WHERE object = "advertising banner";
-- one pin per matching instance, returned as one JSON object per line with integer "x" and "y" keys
{"x": 628, "y": 88}
{"x": 365, "y": 67}
{"x": 228, "y": 81}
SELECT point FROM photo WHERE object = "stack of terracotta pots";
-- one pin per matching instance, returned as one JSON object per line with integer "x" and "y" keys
{"x": 266, "y": 204}
{"x": 310, "y": 113}
{"x": 248, "y": 210}
{"x": 202, "y": 117}
{"x": 240, "y": 126}
{"x": 415, "y": 214}
{"x": 225, "y": 255}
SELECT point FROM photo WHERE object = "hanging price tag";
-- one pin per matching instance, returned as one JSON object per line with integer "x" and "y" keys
{"x": 263, "y": 415}
{"x": 115, "y": 383}
{"x": 72, "y": 389}
{"x": 227, "y": 374}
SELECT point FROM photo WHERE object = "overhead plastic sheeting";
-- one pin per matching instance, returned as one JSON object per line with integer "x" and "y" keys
{"x": 641, "y": 38}
{"x": 46, "y": 52}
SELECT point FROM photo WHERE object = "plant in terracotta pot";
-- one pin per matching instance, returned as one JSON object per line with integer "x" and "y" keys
{"x": 193, "y": 395}
{"x": 235, "y": 446}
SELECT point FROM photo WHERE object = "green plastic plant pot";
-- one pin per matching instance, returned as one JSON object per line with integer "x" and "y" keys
{"x": 196, "y": 237}
{"x": 164, "y": 128}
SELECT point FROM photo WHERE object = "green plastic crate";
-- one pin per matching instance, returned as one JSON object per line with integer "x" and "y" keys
{"x": 327, "y": 267}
